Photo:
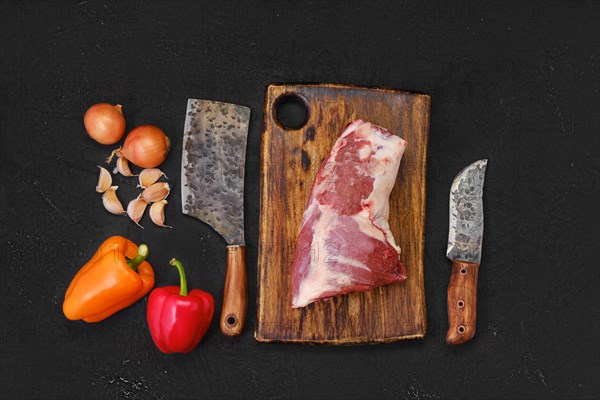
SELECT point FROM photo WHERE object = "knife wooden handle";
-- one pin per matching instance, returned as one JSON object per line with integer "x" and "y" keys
{"x": 235, "y": 294}
{"x": 462, "y": 302}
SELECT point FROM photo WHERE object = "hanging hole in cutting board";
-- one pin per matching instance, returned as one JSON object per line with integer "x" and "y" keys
{"x": 291, "y": 111}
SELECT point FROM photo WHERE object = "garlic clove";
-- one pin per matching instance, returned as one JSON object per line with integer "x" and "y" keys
{"x": 149, "y": 176}
{"x": 157, "y": 213}
{"x": 135, "y": 210}
{"x": 104, "y": 180}
{"x": 156, "y": 192}
{"x": 123, "y": 167}
{"x": 111, "y": 201}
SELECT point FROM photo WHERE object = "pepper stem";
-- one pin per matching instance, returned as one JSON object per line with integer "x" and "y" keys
{"x": 139, "y": 258}
{"x": 183, "y": 291}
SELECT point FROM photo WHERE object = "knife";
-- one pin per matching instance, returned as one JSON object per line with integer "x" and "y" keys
{"x": 212, "y": 190}
{"x": 464, "y": 249}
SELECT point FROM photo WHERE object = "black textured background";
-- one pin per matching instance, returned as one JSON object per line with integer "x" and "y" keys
{"x": 514, "y": 82}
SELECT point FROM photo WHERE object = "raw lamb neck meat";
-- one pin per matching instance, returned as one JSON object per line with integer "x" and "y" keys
{"x": 345, "y": 243}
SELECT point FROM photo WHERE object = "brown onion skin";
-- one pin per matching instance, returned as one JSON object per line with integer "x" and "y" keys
{"x": 105, "y": 123}
{"x": 146, "y": 146}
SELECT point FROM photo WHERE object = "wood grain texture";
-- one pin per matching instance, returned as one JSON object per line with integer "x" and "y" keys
{"x": 235, "y": 292}
{"x": 462, "y": 302}
{"x": 289, "y": 163}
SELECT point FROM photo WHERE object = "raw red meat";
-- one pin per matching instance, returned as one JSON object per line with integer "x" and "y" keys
{"x": 345, "y": 243}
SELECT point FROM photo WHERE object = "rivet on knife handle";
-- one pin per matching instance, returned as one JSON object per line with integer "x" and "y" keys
{"x": 462, "y": 302}
{"x": 235, "y": 293}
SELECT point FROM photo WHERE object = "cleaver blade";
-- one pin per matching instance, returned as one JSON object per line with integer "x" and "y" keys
{"x": 212, "y": 190}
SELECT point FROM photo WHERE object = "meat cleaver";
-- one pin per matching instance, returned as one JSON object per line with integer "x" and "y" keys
{"x": 212, "y": 190}
{"x": 464, "y": 249}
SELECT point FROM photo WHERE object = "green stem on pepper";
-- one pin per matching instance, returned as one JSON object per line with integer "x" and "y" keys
{"x": 139, "y": 258}
{"x": 183, "y": 291}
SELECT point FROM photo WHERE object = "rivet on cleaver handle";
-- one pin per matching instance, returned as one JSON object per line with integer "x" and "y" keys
{"x": 212, "y": 190}
{"x": 465, "y": 238}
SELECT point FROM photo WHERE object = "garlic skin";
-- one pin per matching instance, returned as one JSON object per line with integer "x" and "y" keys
{"x": 104, "y": 180}
{"x": 149, "y": 176}
{"x": 116, "y": 152}
{"x": 156, "y": 192}
{"x": 111, "y": 201}
{"x": 135, "y": 210}
{"x": 157, "y": 213}
{"x": 123, "y": 167}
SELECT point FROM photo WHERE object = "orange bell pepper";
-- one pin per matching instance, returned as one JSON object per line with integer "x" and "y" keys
{"x": 116, "y": 277}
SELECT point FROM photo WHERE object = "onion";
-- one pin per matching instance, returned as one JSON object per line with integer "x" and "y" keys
{"x": 105, "y": 123}
{"x": 146, "y": 146}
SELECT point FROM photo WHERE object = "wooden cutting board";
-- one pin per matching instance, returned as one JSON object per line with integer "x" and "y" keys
{"x": 289, "y": 163}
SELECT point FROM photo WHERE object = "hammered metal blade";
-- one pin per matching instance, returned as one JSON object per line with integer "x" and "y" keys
{"x": 212, "y": 166}
{"x": 466, "y": 214}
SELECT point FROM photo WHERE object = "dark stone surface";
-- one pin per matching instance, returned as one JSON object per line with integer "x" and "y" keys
{"x": 514, "y": 82}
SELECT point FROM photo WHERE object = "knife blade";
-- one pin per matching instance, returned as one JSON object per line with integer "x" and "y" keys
{"x": 212, "y": 190}
{"x": 465, "y": 238}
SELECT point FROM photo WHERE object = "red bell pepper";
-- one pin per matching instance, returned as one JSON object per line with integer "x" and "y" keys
{"x": 178, "y": 320}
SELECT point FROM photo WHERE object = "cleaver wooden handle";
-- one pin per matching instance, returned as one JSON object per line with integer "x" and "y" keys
{"x": 235, "y": 294}
{"x": 462, "y": 302}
